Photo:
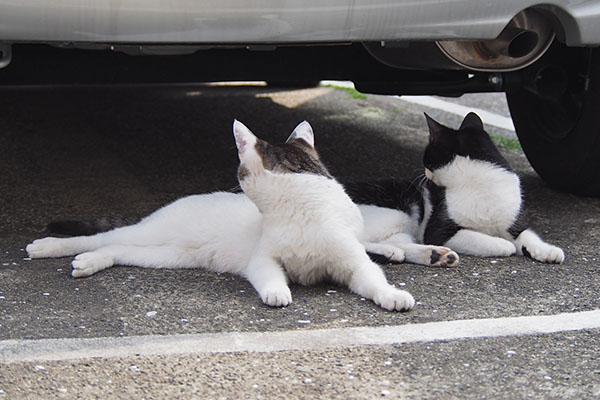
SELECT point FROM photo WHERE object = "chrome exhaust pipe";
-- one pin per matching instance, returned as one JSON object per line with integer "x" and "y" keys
{"x": 524, "y": 40}
{"x": 512, "y": 42}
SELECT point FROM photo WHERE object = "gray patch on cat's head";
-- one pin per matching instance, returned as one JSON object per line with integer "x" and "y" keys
{"x": 294, "y": 156}
{"x": 242, "y": 172}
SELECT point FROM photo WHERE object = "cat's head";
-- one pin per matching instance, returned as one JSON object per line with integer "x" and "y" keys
{"x": 296, "y": 155}
{"x": 469, "y": 143}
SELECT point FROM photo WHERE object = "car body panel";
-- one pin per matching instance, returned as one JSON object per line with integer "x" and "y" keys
{"x": 278, "y": 21}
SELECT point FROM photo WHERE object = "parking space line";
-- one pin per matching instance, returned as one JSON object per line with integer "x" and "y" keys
{"x": 489, "y": 118}
{"x": 105, "y": 347}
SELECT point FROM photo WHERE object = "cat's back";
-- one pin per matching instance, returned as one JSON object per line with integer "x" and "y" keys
{"x": 308, "y": 200}
{"x": 212, "y": 212}
{"x": 314, "y": 220}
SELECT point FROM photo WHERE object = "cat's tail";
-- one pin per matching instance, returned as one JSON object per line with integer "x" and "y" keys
{"x": 87, "y": 228}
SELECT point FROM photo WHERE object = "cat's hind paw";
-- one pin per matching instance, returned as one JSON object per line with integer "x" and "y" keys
{"x": 443, "y": 257}
{"x": 47, "y": 247}
{"x": 544, "y": 252}
{"x": 394, "y": 300}
{"x": 433, "y": 256}
{"x": 86, "y": 264}
{"x": 276, "y": 296}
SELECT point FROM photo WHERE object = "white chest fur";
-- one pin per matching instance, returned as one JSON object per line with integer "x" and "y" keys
{"x": 480, "y": 196}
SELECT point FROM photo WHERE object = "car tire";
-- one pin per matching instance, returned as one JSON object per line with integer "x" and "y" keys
{"x": 556, "y": 113}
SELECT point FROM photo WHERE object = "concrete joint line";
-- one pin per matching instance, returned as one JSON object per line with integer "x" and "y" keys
{"x": 106, "y": 347}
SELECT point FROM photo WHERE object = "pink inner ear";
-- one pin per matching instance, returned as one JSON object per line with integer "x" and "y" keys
{"x": 241, "y": 144}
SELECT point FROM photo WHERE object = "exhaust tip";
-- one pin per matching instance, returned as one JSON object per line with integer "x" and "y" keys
{"x": 523, "y": 43}
{"x": 5, "y": 55}
{"x": 525, "y": 39}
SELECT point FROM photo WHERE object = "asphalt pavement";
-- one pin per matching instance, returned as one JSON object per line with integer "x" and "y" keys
{"x": 90, "y": 152}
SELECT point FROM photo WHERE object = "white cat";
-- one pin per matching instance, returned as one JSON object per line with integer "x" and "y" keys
{"x": 294, "y": 223}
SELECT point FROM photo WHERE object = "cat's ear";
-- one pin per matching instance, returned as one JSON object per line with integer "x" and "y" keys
{"x": 435, "y": 128}
{"x": 472, "y": 120}
{"x": 305, "y": 132}
{"x": 244, "y": 138}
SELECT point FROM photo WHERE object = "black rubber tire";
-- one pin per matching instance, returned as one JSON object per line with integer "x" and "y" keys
{"x": 556, "y": 114}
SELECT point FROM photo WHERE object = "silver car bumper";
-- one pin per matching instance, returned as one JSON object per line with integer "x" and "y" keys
{"x": 276, "y": 21}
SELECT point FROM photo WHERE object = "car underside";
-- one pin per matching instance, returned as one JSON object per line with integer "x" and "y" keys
{"x": 553, "y": 88}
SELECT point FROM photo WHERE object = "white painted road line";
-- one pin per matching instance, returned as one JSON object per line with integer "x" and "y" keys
{"x": 489, "y": 118}
{"x": 85, "y": 348}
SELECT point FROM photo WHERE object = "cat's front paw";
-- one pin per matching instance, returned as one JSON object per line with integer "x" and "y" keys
{"x": 47, "y": 247}
{"x": 544, "y": 252}
{"x": 443, "y": 257}
{"x": 86, "y": 264}
{"x": 394, "y": 300}
{"x": 276, "y": 296}
{"x": 497, "y": 247}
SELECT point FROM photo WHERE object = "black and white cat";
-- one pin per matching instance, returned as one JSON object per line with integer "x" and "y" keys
{"x": 469, "y": 200}
{"x": 294, "y": 222}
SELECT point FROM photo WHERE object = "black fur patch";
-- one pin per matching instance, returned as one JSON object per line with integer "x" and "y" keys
{"x": 472, "y": 120}
{"x": 397, "y": 194}
{"x": 518, "y": 226}
{"x": 440, "y": 227}
{"x": 435, "y": 257}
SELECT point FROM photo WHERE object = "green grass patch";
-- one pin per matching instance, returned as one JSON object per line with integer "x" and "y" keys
{"x": 506, "y": 143}
{"x": 355, "y": 94}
